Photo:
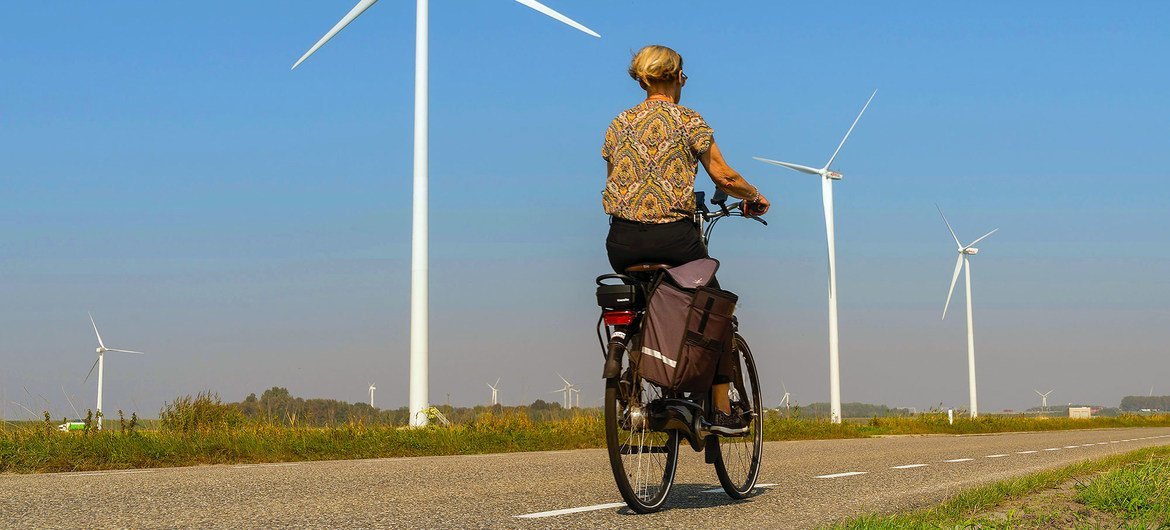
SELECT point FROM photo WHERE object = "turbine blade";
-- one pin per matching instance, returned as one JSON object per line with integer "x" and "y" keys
{"x": 497, "y": 382}
{"x": 850, "y": 131}
{"x": 797, "y": 167}
{"x": 954, "y": 279}
{"x": 95, "y": 361}
{"x": 957, "y": 243}
{"x": 562, "y": 18}
{"x": 127, "y": 351}
{"x": 981, "y": 238}
{"x": 357, "y": 10}
{"x": 1037, "y": 392}
{"x": 567, "y": 383}
{"x": 95, "y": 331}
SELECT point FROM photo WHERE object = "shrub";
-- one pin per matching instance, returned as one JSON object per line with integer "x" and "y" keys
{"x": 202, "y": 413}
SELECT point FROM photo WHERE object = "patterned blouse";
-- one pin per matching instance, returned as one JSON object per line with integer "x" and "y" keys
{"x": 654, "y": 148}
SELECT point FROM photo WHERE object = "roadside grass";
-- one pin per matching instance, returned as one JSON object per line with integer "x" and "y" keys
{"x": 201, "y": 430}
{"x": 1133, "y": 490}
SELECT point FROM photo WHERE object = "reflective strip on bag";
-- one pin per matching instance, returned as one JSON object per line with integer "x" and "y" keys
{"x": 658, "y": 355}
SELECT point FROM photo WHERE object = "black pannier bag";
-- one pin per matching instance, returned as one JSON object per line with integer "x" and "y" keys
{"x": 687, "y": 327}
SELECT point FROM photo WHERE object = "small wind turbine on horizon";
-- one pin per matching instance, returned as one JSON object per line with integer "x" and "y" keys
{"x": 1043, "y": 399}
{"x": 419, "y": 267}
{"x": 495, "y": 392}
{"x": 827, "y": 177}
{"x": 100, "y": 363}
{"x": 965, "y": 253}
{"x": 372, "y": 388}
{"x": 786, "y": 400}
{"x": 567, "y": 390}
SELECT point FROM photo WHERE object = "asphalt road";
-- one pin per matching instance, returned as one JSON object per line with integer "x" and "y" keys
{"x": 815, "y": 482}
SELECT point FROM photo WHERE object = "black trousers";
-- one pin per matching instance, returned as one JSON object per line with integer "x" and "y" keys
{"x": 630, "y": 243}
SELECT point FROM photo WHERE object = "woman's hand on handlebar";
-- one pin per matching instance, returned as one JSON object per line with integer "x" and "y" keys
{"x": 757, "y": 207}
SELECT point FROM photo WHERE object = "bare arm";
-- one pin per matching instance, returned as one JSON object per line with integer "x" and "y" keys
{"x": 730, "y": 181}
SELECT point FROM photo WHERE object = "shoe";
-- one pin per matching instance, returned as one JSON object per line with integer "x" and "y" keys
{"x": 727, "y": 424}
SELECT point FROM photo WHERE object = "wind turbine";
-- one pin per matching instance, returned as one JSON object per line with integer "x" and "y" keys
{"x": 965, "y": 252}
{"x": 372, "y": 388}
{"x": 1043, "y": 399}
{"x": 419, "y": 267}
{"x": 495, "y": 392}
{"x": 564, "y": 391}
{"x": 827, "y": 177}
{"x": 786, "y": 400}
{"x": 569, "y": 389}
{"x": 100, "y": 365}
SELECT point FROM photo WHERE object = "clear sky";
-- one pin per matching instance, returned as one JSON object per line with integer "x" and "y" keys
{"x": 249, "y": 226}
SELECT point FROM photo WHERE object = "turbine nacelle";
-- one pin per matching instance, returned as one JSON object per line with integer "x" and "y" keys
{"x": 971, "y": 251}
{"x": 832, "y": 175}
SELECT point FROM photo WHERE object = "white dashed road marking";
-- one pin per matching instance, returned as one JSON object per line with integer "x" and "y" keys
{"x": 908, "y": 466}
{"x": 839, "y": 475}
{"x": 954, "y": 460}
{"x": 758, "y": 486}
{"x": 1026, "y": 452}
{"x": 595, "y": 507}
{"x": 1053, "y": 449}
{"x": 995, "y": 456}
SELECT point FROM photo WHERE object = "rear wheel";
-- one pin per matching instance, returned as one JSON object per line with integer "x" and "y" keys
{"x": 737, "y": 458}
{"x": 643, "y": 461}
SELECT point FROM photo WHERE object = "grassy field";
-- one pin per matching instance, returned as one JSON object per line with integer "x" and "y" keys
{"x": 202, "y": 432}
{"x": 1130, "y": 490}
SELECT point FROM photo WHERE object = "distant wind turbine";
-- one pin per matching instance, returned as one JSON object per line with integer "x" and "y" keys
{"x": 965, "y": 252}
{"x": 786, "y": 400}
{"x": 100, "y": 365}
{"x": 419, "y": 240}
{"x": 1043, "y": 399}
{"x": 372, "y": 389}
{"x": 495, "y": 392}
{"x": 827, "y": 177}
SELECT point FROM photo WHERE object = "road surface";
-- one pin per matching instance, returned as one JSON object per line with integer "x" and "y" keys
{"x": 814, "y": 483}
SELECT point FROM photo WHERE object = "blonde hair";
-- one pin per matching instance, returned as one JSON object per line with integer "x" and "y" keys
{"x": 655, "y": 63}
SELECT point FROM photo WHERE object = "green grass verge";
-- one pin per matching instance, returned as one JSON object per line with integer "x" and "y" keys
{"x": 1136, "y": 489}
{"x": 37, "y": 447}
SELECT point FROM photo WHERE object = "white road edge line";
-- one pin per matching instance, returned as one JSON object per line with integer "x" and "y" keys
{"x": 552, "y": 513}
{"x": 839, "y": 475}
{"x": 909, "y": 466}
{"x": 955, "y": 460}
{"x": 98, "y": 473}
{"x": 994, "y": 456}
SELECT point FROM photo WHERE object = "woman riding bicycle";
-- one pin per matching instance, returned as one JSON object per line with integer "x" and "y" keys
{"x": 652, "y": 152}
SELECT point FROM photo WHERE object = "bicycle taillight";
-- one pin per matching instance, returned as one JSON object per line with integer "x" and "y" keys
{"x": 617, "y": 318}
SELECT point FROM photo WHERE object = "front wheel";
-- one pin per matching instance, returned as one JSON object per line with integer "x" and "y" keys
{"x": 643, "y": 461}
{"x": 737, "y": 459}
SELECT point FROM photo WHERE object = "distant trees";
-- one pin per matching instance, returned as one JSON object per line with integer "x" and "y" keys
{"x": 1137, "y": 403}
{"x": 853, "y": 410}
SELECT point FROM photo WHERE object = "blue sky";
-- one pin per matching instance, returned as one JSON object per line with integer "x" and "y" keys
{"x": 249, "y": 226}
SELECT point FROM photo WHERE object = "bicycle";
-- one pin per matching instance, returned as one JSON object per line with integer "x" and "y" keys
{"x": 645, "y": 423}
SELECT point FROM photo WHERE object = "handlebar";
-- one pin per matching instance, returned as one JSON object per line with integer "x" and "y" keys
{"x": 735, "y": 209}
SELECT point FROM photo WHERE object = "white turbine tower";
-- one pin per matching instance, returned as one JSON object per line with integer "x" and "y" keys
{"x": 827, "y": 178}
{"x": 965, "y": 252}
{"x": 372, "y": 388}
{"x": 1043, "y": 399}
{"x": 100, "y": 364}
{"x": 495, "y": 392}
{"x": 419, "y": 267}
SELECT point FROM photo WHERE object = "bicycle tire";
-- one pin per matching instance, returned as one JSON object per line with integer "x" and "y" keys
{"x": 739, "y": 476}
{"x": 645, "y": 487}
